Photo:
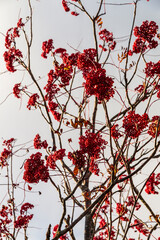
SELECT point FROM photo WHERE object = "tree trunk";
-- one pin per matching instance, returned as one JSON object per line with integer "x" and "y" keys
{"x": 89, "y": 227}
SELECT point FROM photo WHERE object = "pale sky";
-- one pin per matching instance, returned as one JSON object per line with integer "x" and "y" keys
{"x": 50, "y": 21}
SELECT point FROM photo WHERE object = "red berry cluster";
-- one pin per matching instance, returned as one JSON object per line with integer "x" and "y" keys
{"x": 96, "y": 81}
{"x": 154, "y": 127}
{"x": 93, "y": 168}
{"x": 67, "y": 9}
{"x": 140, "y": 88}
{"x": 7, "y": 152}
{"x": 60, "y": 50}
{"x": 134, "y": 124}
{"x": 77, "y": 158}
{"x": 5, "y": 220}
{"x": 9, "y": 143}
{"x": 98, "y": 84}
{"x": 147, "y": 31}
{"x": 65, "y": 6}
{"x": 74, "y": 13}
{"x": 51, "y": 88}
{"x": 121, "y": 210}
{"x": 5, "y": 211}
{"x": 52, "y": 158}
{"x": 131, "y": 202}
{"x": 114, "y": 132}
{"x": 12, "y": 54}
{"x": 10, "y": 57}
{"x": 38, "y": 144}
{"x": 145, "y": 34}
{"x": 151, "y": 183}
{"x": 92, "y": 144}
{"x": 103, "y": 235}
{"x": 35, "y": 170}
{"x": 47, "y": 47}
{"x": 140, "y": 227}
{"x": 25, "y": 207}
{"x": 20, "y": 23}
{"x": 107, "y": 37}
{"x": 138, "y": 46}
{"x": 52, "y": 108}
{"x": 70, "y": 60}
{"x": 102, "y": 223}
{"x": 158, "y": 94}
{"x": 55, "y": 229}
{"x": 62, "y": 72}
{"x": 32, "y": 101}
{"x": 3, "y": 157}
{"x": 152, "y": 69}
{"x": 86, "y": 61}
{"x": 17, "y": 90}
{"x": 23, "y": 220}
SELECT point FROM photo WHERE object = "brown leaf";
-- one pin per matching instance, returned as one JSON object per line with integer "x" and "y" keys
{"x": 74, "y": 124}
{"x": 75, "y": 171}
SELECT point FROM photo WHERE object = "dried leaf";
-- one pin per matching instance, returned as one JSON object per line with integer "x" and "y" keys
{"x": 99, "y": 22}
{"x": 74, "y": 124}
{"x": 75, "y": 171}
{"x": 86, "y": 195}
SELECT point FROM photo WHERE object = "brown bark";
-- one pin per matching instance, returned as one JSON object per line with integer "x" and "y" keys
{"x": 89, "y": 227}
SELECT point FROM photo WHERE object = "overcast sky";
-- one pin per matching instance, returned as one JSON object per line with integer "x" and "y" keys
{"x": 50, "y": 21}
